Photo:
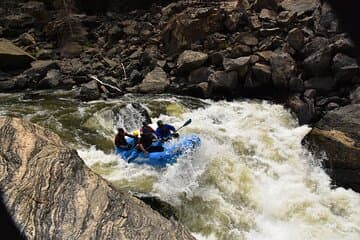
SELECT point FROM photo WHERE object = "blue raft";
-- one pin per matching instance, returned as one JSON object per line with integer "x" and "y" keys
{"x": 172, "y": 150}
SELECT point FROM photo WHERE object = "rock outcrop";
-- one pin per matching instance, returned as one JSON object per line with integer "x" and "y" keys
{"x": 337, "y": 133}
{"x": 52, "y": 194}
{"x": 13, "y": 57}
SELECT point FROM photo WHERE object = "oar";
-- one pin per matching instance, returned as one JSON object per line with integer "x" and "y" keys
{"x": 184, "y": 125}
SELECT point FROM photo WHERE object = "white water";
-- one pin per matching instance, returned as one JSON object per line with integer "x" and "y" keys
{"x": 251, "y": 178}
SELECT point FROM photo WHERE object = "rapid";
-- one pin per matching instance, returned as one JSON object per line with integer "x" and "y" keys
{"x": 250, "y": 179}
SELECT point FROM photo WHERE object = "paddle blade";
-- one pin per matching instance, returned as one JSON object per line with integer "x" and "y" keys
{"x": 187, "y": 122}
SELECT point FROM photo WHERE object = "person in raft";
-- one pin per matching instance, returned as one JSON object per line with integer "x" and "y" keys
{"x": 147, "y": 138}
{"x": 120, "y": 140}
{"x": 165, "y": 131}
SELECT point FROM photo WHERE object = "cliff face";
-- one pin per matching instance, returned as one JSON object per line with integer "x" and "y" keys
{"x": 52, "y": 194}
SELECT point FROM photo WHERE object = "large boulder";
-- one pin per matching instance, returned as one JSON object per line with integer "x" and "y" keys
{"x": 283, "y": 69}
{"x": 155, "y": 81}
{"x": 13, "y": 57}
{"x": 52, "y": 194}
{"x": 190, "y": 60}
{"x": 338, "y": 134}
{"x": 190, "y": 26}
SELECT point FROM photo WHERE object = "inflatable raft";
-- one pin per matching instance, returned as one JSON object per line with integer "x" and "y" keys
{"x": 172, "y": 150}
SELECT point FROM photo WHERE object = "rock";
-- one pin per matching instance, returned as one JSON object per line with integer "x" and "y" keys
{"x": 286, "y": 18}
{"x": 155, "y": 81}
{"x": 130, "y": 27}
{"x": 240, "y": 50}
{"x": 283, "y": 69}
{"x": 215, "y": 41}
{"x": 355, "y": 96}
{"x": 300, "y": 6}
{"x": 190, "y": 26}
{"x": 27, "y": 39}
{"x": 265, "y": 55}
{"x": 247, "y": 38}
{"x": 344, "y": 68}
{"x": 304, "y": 110}
{"x": 326, "y": 21}
{"x": 40, "y": 68}
{"x": 89, "y": 91}
{"x": 255, "y": 22}
{"x": 261, "y": 4}
{"x": 7, "y": 84}
{"x": 216, "y": 58}
{"x": 239, "y": 65}
{"x": 52, "y": 79}
{"x": 261, "y": 76}
{"x": 12, "y": 57}
{"x": 267, "y": 15}
{"x": 296, "y": 85}
{"x": 315, "y": 44}
{"x": 338, "y": 134}
{"x": 223, "y": 84}
{"x": 71, "y": 49}
{"x": 190, "y": 60}
{"x": 43, "y": 177}
{"x": 296, "y": 38}
{"x": 232, "y": 21}
{"x": 322, "y": 84}
{"x": 200, "y": 75}
{"x": 310, "y": 93}
{"x": 318, "y": 63}
{"x": 115, "y": 33}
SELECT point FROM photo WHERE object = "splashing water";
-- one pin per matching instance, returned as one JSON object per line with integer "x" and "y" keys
{"x": 251, "y": 178}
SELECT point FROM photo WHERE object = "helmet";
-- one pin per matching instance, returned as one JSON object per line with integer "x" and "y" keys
{"x": 160, "y": 123}
{"x": 136, "y": 133}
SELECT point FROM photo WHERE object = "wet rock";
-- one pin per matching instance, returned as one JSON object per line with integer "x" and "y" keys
{"x": 51, "y": 80}
{"x": 200, "y": 75}
{"x": 296, "y": 38}
{"x": 190, "y": 60}
{"x": 239, "y": 65}
{"x": 55, "y": 179}
{"x": 13, "y": 57}
{"x": 344, "y": 68}
{"x": 304, "y": 109}
{"x": 283, "y": 69}
{"x": 338, "y": 134}
{"x": 89, "y": 91}
{"x": 155, "y": 81}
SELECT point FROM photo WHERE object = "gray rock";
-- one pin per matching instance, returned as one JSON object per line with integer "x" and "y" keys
{"x": 321, "y": 84}
{"x": 50, "y": 184}
{"x": 344, "y": 68}
{"x": 200, "y": 75}
{"x": 267, "y": 14}
{"x": 318, "y": 63}
{"x": 315, "y": 44}
{"x": 296, "y": 38}
{"x": 247, "y": 38}
{"x": 269, "y": 4}
{"x": 310, "y": 93}
{"x": 13, "y": 57}
{"x": 283, "y": 69}
{"x": 304, "y": 109}
{"x": 300, "y": 6}
{"x": 190, "y": 60}
{"x": 232, "y": 21}
{"x": 261, "y": 76}
{"x": 51, "y": 80}
{"x": 155, "y": 81}
{"x": 223, "y": 82}
{"x": 240, "y": 65}
{"x": 89, "y": 91}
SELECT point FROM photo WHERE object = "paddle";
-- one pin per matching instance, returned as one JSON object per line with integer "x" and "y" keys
{"x": 184, "y": 125}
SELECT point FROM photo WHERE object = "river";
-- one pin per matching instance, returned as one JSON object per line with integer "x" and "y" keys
{"x": 251, "y": 178}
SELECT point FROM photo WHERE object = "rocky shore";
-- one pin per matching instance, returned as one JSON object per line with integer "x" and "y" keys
{"x": 294, "y": 52}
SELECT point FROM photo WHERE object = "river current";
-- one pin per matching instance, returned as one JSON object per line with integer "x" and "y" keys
{"x": 250, "y": 179}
